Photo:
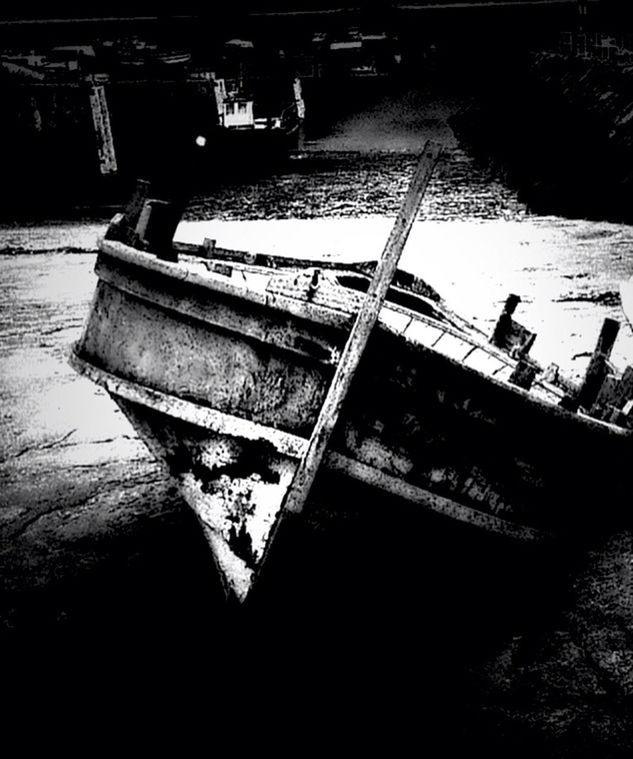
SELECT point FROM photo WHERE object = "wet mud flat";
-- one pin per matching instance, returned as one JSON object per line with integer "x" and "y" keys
{"x": 410, "y": 620}
{"x": 391, "y": 627}
{"x": 345, "y": 183}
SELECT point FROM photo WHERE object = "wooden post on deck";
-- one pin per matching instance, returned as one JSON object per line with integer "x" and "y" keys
{"x": 509, "y": 335}
{"x": 156, "y": 227}
{"x": 123, "y": 225}
{"x": 597, "y": 370}
{"x": 598, "y": 365}
{"x": 135, "y": 205}
{"x": 361, "y": 330}
{"x": 148, "y": 223}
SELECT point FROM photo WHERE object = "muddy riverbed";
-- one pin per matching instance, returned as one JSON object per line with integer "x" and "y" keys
{"x": 522, "y": 653}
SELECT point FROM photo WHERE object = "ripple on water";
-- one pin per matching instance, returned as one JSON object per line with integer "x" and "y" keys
{"x": 353, "y": 184}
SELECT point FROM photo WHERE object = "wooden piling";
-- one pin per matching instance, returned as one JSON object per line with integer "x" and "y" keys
{"x": 103, "y": 129}
{"x": 508, "y": 334}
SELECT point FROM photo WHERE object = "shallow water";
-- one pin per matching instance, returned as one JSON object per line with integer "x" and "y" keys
{"x": 474, "y": 242}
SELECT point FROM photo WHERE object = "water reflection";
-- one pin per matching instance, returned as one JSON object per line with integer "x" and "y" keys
{"x": 348, "y": 184}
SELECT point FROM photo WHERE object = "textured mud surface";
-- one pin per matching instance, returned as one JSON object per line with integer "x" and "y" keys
{"x": 95, "y": 539}
{"x": 457, "y": 635}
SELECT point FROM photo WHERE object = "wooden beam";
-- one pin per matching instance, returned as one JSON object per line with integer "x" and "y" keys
{"x": 613, "y": 396}
{"x": 597, "y": 369}
{"x": 361, "y": 330}
{"x": 103, "y": 130}
{"x": 509, "y": 335}
{"x": 625, "y": 388}
{"x": 524, "y": 373}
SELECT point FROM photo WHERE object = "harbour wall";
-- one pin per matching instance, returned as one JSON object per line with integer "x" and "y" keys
{"x": 52, "y": 148}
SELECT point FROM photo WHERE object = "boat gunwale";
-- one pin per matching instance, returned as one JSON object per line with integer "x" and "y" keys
{"x": 316, "y": 313}
{"x": 323, "y": 315}
{"x": 301, "y": 309}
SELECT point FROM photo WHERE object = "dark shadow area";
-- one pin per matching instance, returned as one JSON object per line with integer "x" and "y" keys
{"x": 366, "y": 620}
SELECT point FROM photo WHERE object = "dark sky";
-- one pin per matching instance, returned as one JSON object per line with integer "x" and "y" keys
{"x": 74, "y": 9}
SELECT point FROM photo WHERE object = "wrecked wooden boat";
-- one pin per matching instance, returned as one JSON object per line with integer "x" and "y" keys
{"x": 227, "y": 364}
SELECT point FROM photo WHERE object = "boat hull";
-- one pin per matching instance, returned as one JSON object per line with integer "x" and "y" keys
{"x": 196, "y": 357}
{"x": 225, "y": 468}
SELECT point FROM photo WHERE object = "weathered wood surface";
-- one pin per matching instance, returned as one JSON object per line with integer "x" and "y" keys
{"x": 425, "y": 418}
{"x": 95, "y": 543}
{"x": 398, "y": 412}
{"x": 361, "y": 331}
{"x": 598, "y": 364}
{"x": 175, "y": 430}
{"x": 508, "y": 334}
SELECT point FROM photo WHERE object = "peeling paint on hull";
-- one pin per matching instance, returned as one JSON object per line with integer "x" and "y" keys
{"x": 234, "y": 485}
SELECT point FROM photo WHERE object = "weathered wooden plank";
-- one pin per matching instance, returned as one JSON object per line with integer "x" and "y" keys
{"x": 122, "y": 227}
{"x": 626, "y": 415}
{"x": 433, "y": 501}
{"x": 624, "y": 390}
{"x": 188, "y": 411}
{"x": 135, "y": 204}
{"x": 403, "y": 281}
{"x": 301, "y": 309}
{"x": 524, "y": 373}
{"x": 103, "y": 129}
{"x": 210, "y": 250}
{"x": 454, "y": 347}
{"x": 363, "y": 326}
{"x": 613, "y": 396}
{"x": 605, "y": 403}
{"x": 508, "y": 334}
{"x": 598, "y": 364}
{"x": 282, "y": 332}
{"x": 294, "y": 446}
{"x": 423, "y": 333}
{"x": 484, "y": 362}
